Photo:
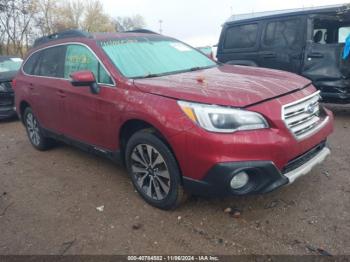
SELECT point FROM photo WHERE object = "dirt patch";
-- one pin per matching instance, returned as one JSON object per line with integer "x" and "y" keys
{"x": 51, "y": 203}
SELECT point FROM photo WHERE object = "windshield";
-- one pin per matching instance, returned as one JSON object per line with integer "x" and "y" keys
{"x": 150, "y": 57}
{"x": 8, "y": 64}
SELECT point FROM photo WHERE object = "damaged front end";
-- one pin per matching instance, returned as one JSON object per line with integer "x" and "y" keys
{"x": 323, "y": 60}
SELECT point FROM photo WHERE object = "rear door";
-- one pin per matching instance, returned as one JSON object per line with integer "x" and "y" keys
{"x": 322, "y": 61}
{"x": 282, "y": 44}
{"x": 323, "y": 53}
{"x": 45, "y": 84}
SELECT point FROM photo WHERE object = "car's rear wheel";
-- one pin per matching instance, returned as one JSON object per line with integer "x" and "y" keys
{"x": 154, "y": 170}
{"x": 34, "y": 131}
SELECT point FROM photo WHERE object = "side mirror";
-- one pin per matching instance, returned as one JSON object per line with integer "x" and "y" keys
{"x": 85, "y": 78}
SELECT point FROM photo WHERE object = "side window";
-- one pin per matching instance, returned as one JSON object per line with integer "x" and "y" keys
{"x": 282, "y": 33}
{"x": 31, "y": 63}
{"x": 320, "y": 36}
{"x": 79, "y": 58}
{"x": 51, "y": 62}
{"x": 343, "y": 33}
{"x": 243, "y": 36}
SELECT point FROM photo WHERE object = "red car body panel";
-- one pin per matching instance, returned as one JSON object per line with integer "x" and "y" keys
{"x": 225, "y": 85}
{"x": 98, "y": 119}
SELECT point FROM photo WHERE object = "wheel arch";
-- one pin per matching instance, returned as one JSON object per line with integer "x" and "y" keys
{"x": 132, "y": 126}
{"x": 22, "y": 107}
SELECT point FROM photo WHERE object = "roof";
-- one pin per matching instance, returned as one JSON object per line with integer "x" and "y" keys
{"x": 106, "y": 36}
{"x": 277, "y": 13}
{"x": 74, "y": 33}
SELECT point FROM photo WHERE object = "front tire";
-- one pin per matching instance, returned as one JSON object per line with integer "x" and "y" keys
{"x": 154, "y": 171}
{"x": 34, "y": 131}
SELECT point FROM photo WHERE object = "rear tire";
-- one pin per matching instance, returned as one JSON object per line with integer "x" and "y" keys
{"x": 154, "y": 171}
{"x": 35, "y": 133}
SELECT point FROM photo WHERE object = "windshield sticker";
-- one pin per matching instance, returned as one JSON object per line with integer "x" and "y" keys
{"x": 181, "y": 47}
{"x": 118, "y": 42}
{"x": 15, "y": 59}
{"x": 78, "y": 59}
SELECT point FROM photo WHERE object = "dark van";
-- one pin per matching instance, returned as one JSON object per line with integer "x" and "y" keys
{"x": 309, "y": 42}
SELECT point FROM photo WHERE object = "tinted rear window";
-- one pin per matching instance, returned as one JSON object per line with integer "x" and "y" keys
{"x": 243, "y": 36}
{"x": 282, "y": 33}
{"x": 51, "y": 62}
{"x": 30, "y": 64}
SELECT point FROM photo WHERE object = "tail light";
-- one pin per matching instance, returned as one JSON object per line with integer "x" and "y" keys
{"x": 14, "y": 83}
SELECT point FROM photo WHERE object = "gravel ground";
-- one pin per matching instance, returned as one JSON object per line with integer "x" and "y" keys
{"x": 48, "y": 205}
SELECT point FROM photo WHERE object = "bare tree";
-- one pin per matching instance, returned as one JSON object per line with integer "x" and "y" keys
{"x": 127, "y": 23}
{"x": 21, "y": 21}
{"x": 71, "y": 14}
{"x": 46, "y": 16}
{"x": 16, "y": 17}
{"x": 95, "y": 19}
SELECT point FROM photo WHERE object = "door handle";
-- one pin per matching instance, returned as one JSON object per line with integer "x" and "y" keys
{"x": 61, "y": 93}
{"x": 269, "y": 55}
{"x": 31, "y": 86}
{"x": 315, "y": 55}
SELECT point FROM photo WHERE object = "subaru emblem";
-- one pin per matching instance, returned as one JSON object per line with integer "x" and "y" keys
{"x": 312, "y": 108}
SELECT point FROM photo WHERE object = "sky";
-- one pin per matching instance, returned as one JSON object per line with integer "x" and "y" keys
{"x": 198, "y": 22}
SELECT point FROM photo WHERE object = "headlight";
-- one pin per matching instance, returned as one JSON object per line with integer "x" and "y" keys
{"x": 222, "y": 119}
{"x": 3, "y": 87}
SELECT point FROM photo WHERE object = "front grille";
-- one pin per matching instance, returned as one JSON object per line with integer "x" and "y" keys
{"x": 6, "y": 102}
{"x": 8, "y": 86}
{"x": 303, "y": 116}
{"x": 301, "y": 160}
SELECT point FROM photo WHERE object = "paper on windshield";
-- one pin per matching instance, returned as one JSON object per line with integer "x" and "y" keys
{"x": 181, "y": 47}
{"x": 15, "y": 59}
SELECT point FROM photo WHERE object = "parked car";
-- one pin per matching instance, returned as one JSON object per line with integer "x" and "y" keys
{"x": 309, "y": 42}
{"x": 9, "y": 67}
{"x": 180, "y": 122}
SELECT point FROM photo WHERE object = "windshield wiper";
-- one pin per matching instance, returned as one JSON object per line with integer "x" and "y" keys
{"x": 149, "y": 76}
{"x": 175, "y": 72}
{"x": 200, "y": 68}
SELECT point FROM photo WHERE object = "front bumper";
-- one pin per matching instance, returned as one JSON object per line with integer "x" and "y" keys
{"x": 264, "y": 175}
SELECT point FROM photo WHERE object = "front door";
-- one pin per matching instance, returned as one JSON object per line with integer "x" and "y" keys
{"x": 91, "y": 118}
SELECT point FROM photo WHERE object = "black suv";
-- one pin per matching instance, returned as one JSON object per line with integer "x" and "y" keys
{"x": 9, "y": 67}
{"x": 309, "y": 42}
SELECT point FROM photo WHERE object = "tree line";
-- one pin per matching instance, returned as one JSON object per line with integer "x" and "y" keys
{"x": 22, "y": 21}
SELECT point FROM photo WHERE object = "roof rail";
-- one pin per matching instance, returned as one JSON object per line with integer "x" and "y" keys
{"x": 144, "y": 31}
{"x": 61, "y": 35}
{"x": 241, "y": 17}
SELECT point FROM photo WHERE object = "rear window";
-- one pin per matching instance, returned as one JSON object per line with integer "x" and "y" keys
{"x": 282, "y": 33}
{"x": 30, "y": 64}
{"x": 51, "y": 62}
{"x": 243, "y": 36}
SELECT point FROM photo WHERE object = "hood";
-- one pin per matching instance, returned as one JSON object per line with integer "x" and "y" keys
{"x": 7, "y": 76}
{"x": 224, "y": 85}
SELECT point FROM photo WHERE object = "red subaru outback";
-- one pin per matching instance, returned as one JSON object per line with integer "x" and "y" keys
{"x": 179, "y": 121}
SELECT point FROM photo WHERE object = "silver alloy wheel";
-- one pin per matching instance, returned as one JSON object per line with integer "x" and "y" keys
{"x": 151, "y": 172}
{"x": 33, "y": 129}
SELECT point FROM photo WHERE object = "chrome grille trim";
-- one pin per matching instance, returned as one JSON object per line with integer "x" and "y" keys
{"x": 302, "y": 117}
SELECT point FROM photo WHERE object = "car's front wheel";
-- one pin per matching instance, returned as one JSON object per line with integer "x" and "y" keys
{"x": 154, "y": 170}
{"x": 35, "y": 134}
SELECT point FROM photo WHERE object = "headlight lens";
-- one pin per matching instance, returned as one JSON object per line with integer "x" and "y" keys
{"x": 3, "y": 87}
{"x": 222, "y": 119}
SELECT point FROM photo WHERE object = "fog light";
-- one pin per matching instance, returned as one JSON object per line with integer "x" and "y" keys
{"x": 240, "y": 180}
